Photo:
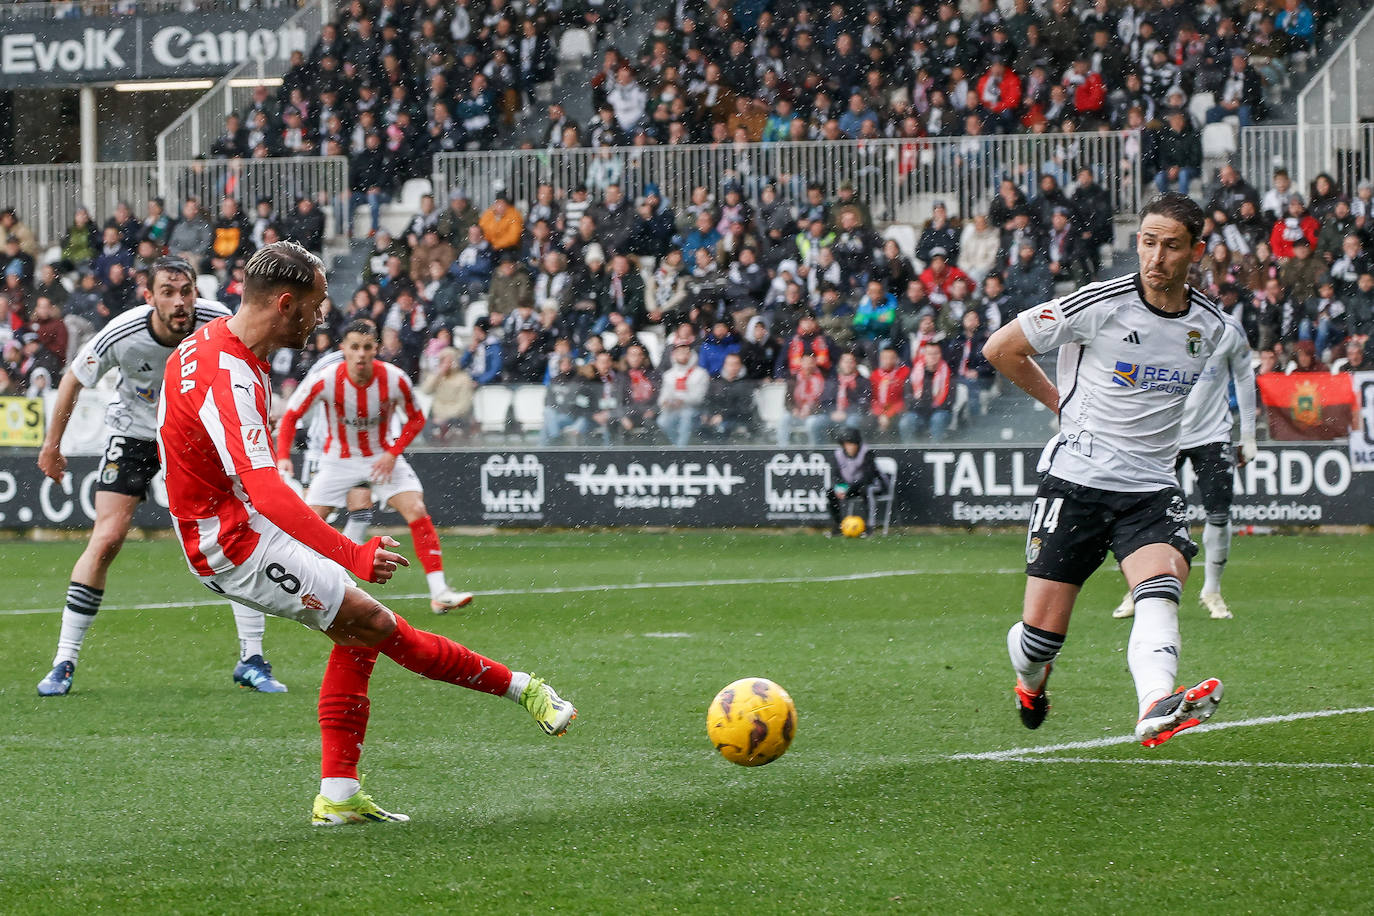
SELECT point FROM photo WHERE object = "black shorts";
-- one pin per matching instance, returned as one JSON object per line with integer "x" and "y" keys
{"x": 128, "y": 467}
{"x": 1215, "y": 467}
{"x": 1073, "y": 526}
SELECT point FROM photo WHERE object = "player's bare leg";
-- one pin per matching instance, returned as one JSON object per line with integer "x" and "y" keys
{"x": 1035, "y": 641}
{"x": 1156, "y": 573}
{"x": 442, "y": 599}
{"x": 365, "y": 628}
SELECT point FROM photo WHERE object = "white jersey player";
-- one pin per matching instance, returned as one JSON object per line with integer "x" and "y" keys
{"x": 138, "y": 343}
{"x": 359, "y": 505}
{"x": 1130, "y": 352}
{"x": 1206, "y": 444}
{"x": 361, "y": 396}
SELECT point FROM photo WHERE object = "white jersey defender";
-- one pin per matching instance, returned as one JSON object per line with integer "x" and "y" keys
{"x": 1125, "y": 369}
{"x": 1207, "y": 412}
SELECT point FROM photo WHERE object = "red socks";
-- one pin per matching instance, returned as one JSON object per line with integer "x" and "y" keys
{"x": 426, "y": 541}
{"x": 344, "y": 709}
{"x": 344, "y": 706}
{"x": 441, "y": 659}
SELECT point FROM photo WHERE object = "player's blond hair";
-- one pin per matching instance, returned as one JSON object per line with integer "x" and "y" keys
{"x": 280, "y": 264}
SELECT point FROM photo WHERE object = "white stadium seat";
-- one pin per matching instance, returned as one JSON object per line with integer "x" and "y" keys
{"x": 411, "y": 192}
{"x": 1200, "y": 104}
{"x": 529, "y": 408}
{"x": 771, "y": 398}
{"x": 490, "y": 407}
{"x": 1218, "y": 141}
{"x": 475, "y": 310}
{"x": 653, "y": 346}
{"x": 207, "y": 286}
{"x": 905, "y": 237}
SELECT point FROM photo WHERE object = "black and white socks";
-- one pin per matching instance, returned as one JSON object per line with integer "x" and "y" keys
{"x": 83, "y": 602}
{"x": 1031, "y": 650}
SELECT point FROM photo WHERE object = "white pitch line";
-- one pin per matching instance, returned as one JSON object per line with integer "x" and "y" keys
{"x": 1154, "y": 761}
{"x": 1018, "y": 752}
{"x": 576, "y": 589}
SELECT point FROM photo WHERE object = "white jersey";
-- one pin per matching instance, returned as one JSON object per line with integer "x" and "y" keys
{"x": 127, "y": 343}
{"x": 1207, "y": 412}
{"x": 1125, "y": 370}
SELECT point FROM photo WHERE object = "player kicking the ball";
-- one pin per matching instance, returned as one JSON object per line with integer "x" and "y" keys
{"x": 247, "y": 535}
{"x": 360, "y": 395}
{"x": 1130, "y": 350}
{"x": 138, "y": 342}
{"x": 1207, "y": 445}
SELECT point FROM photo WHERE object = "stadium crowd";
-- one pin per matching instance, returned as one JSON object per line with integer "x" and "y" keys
{"x": 657, "y": 319}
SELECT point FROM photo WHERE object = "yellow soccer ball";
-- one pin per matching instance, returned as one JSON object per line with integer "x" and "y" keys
{"x": 751, "y": 722}
{"x": 852, "y": 526}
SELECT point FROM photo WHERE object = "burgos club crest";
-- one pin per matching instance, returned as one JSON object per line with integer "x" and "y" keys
{"x": 1194, "y": 344}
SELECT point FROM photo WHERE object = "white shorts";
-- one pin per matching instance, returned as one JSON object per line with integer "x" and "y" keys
{"x": 284, "y": 578}
{"x": 330, "y": 484}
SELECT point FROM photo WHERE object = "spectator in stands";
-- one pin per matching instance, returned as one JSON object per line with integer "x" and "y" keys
{"x": 80, "y": 242}
{"x": 472, "y": 268}
{"x": 567, "y": 405}
{"x": 1173, "y": 153}
{"x": 1324, "y": 319}
{"x": 1338, "y": 224}
{"x": 929, "y": 408}
{"x": 875, "y": 319}
{"x": 964, "y": 354}
{"x": 12, "y": 227}
{"x": 887, "y": 386}
{"x": 807, "y": 341}
{"x": 36, "y": 362}
{"x": 978, "y": 246}
{"x": 844, "y": 400}
{"x": 638, "y": 394}
{"x": 716, "y": 346}
{"x": 759, "y": 351}
{"x": 624, "y": 294}
{"x": 502, "y": 224}
{"x": 510, "y": 287}
{"x": 1029, "y": 282}
{"x": 681, "y": 396}
{"x": 112, "y": 252}
{"x": 1355, "y": 359}
{"x": 1241, "y": 94}
{"x": 482, "y": 358}
{"x": 730, "y": 409}
{"x": 371, "y": 180}
{"x": 305, "y": 225}
{"x": 231, "y": 241}
{"x": 1300, "y": 272}
{"x": 191, "y": 236}
{"x": 805, "y": 389}
{"x": 46, "y": 322}
{"x": 453, "y": 223}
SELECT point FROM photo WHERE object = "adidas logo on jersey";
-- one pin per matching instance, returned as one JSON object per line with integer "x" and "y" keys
{"x": 1132, "y": 338}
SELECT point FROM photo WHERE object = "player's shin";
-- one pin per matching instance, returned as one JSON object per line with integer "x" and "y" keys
{"x": 440, "y": 659}
{"x": 355, "y": 529}
{"x": 1153, "y": 651}
{"x": 1216, "y": 541}
{"x": 1032, "y": 650}
{"x": 83, "y": 602}
{"x": 343, "y": 711}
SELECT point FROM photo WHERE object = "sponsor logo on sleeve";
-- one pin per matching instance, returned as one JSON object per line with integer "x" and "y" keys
{"x": 255, "y": 443}
{"x": 1044, "y": 317}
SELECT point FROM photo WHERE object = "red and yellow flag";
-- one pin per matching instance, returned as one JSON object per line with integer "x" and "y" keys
{"x": 1307, "y": 405}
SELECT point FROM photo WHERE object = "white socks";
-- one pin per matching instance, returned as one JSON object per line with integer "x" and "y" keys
{"x": 1216, "y": 540}
{"x": 436, "y": 582}
{"x": 1152, "y": 653}
{"x": 355, "y": 529}
{"x": 519, "y": 680}
{"x": 339, "y": 788}
{"x": 251, "y": 625}
{"x": 1031, "y": 650}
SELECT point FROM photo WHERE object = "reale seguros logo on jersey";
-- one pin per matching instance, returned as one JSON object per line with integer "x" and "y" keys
{"x": 1154, "y": 378}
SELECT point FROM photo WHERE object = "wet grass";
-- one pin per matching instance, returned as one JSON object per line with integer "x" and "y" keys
{"x": 156, "y": 787}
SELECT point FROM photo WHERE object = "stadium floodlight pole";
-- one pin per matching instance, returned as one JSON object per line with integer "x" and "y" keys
{"x": 89, "y": 141}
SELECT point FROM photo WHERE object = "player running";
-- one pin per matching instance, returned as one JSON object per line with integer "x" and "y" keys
{"x": 1207, "y": 444}
{"x": 1130, "y": 350}
{"x": 360, "y": 395}
{"x": 138, "y": 342}
{"x": 247, "y": 534}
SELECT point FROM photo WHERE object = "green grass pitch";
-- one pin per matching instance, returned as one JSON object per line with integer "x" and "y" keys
{"x": 156, "y": 787}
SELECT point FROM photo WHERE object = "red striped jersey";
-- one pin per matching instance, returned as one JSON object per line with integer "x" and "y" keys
{"x": 212, "y": 428}
{"x": 358, "y": 416}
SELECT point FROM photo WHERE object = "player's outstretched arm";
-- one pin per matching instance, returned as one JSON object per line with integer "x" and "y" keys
{"x": 280, "y": 505}
{"x": 1011, "y": 353}
{"x": 51, "y": 461}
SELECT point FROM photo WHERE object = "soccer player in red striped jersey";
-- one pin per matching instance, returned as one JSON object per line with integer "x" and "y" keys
{"x": 361, "y": 395}
{"x": 249, "y": 537}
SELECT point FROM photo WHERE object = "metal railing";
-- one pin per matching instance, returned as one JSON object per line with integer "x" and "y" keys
{"x": 898, "y": 179}
{"x": 1346, "y": 154}
{"x": 81, "y": 9}
{"x": 193, "y": 133}
{"x": 1334, "y": 97}
{"x": 46, "y": 197}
